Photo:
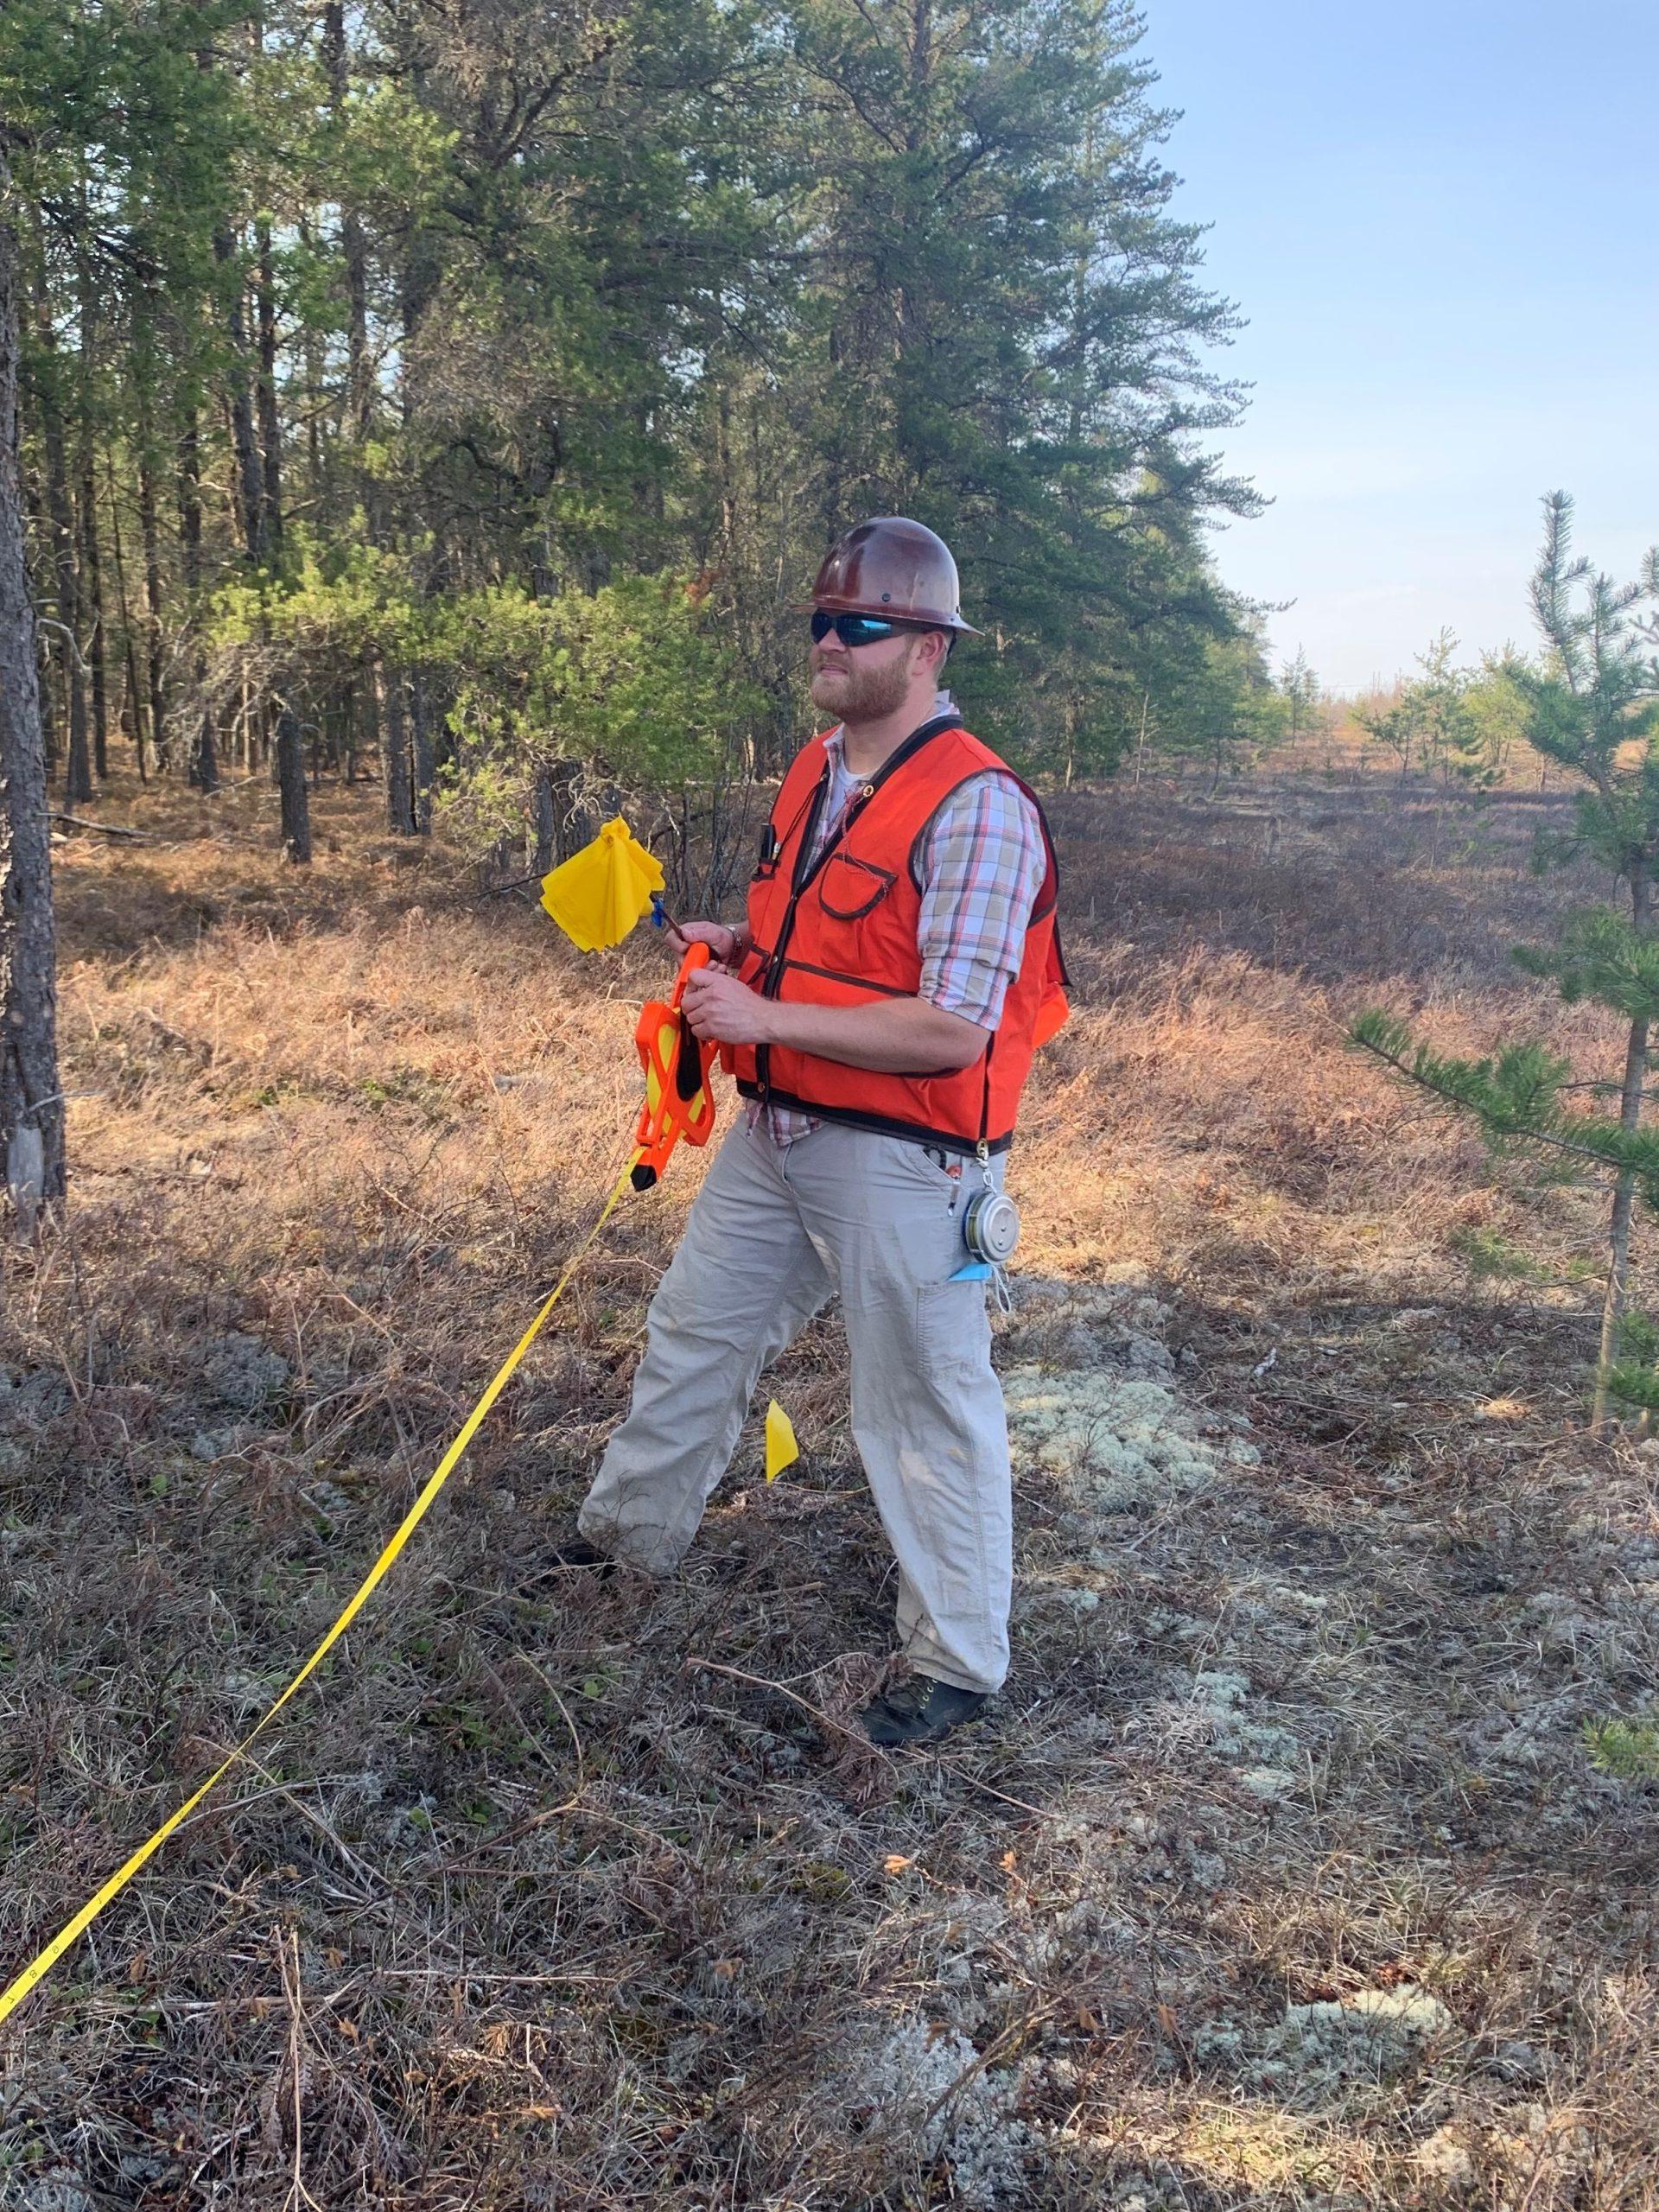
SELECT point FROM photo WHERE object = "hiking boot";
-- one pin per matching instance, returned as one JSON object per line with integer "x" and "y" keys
{"x": 577, "y": 1551}
{"x": 920, "y": 1711}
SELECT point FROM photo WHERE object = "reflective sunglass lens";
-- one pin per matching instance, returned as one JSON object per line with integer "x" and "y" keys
{"x": 851, "y": 629}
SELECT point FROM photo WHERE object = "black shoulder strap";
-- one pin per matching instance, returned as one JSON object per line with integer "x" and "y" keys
{"x": 913, "y": 745}
{"x": 936, "y": 727}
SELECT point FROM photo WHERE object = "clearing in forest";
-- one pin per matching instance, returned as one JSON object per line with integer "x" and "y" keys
{"x": 1283, "y": 1875}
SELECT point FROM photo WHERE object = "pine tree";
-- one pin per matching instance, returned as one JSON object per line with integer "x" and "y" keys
{"x": 1301, "y": 692}
{"x": 1012, "y": 324}
{"x": 1222, "y": 711}
{"x": 548, "y": 299}
{"x": 1429, "y": 722}
{"x": 31, "y": 1094}
{"x": 1593, "y": 707}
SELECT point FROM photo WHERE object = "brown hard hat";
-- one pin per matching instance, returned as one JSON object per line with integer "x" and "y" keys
{"x": 895, "y": 566}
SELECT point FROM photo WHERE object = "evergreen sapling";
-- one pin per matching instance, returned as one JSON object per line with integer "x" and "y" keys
{"x": 1591, "y": 706}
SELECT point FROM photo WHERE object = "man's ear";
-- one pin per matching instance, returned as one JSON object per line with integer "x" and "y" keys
{"x": 925, "y": 643}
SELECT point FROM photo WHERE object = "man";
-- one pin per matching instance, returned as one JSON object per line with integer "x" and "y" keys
{"x": 882, "y": 999}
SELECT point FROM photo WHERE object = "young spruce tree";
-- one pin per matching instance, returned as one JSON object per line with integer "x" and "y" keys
{"x": 1593, "y": 707}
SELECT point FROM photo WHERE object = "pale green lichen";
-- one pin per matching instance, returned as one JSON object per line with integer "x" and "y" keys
{"x": 921, "y": 2090}
{"x": 1116, "y": 1442}
{"x": 1320, "y": 2050}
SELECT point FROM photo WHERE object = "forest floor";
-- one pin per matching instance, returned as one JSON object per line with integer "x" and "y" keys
{"x": 1283, "y": 1875}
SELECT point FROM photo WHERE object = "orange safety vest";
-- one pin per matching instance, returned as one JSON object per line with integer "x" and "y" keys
{"x": 843, "y": 932}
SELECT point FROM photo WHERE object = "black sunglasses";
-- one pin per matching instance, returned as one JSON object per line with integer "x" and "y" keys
{"x": 855, "y": 630}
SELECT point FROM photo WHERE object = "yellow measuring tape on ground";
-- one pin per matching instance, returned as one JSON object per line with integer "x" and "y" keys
{"x": 16, "y": 1991}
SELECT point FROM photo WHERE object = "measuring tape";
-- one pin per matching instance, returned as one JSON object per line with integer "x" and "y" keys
{"x": 991, "y": 1227}
{"x": 44, "y": 1960}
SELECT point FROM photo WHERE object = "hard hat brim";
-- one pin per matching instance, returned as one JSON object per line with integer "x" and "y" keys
{"x": 833, "y": 604}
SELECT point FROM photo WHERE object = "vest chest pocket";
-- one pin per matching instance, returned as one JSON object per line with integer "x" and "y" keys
{"x": 849, "y": 888}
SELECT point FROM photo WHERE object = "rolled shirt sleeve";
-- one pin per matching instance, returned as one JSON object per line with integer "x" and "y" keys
{"x": 981, "y": 867}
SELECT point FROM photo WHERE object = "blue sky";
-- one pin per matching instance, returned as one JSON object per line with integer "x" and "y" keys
{"x": 1442, "y": 224}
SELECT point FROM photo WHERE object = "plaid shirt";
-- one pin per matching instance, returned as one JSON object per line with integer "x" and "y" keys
{"x": 982, "y": 867}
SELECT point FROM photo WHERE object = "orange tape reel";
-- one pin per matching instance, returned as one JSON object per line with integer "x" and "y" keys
{"x": 678, "y": 1101}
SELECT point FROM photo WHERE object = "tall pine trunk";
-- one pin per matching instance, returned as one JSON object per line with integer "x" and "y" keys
{"x": 97, "y": 640}
{"x": 394, "y": 742}
{"x": 155, "y": 666}
{"x": 91, "y": 563}
{"x": 290, "y": 782}
{"x": 359, "y": 391}
{"x": 135, "y": 696}
{"x": 190, "y": 503}
{"x": 250, "y": 470}
{"x": 270, "y": 422}
{"x": 31, "y": 1095}
{"x": 420, "y": 716}
{"x": 204, "y": 761}
{"x": 77, "y": 772}
{"x": 202, "y": 766}
{"x": 544, "y": 820}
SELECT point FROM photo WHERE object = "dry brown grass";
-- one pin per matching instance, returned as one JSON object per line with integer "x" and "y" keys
{"x": 524, "y": 1907}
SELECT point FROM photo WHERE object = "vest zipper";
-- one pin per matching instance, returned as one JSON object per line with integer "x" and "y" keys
{"x": 803, "y": 873}
{"x": 982, "y": 1150}
{"x": 772, "y": 975}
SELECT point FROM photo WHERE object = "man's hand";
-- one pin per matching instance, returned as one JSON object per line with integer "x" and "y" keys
{"x": 720, "y": 1009}
{"x": 725, "y": 943}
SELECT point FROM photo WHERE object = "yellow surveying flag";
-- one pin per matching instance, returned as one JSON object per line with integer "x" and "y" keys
{"x": 782, "y": 1450}
{"x": 599, "y": 894}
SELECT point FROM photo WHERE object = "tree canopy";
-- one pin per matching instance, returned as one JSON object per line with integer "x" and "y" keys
{"x": 480, "y": 385}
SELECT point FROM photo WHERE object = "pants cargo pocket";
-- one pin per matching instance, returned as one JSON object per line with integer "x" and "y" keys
{"x": 953, "y": 1328}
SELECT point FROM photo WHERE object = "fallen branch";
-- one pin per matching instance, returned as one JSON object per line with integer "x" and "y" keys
{"x": 105, "y": 828}
{"x": 517, "y": 883}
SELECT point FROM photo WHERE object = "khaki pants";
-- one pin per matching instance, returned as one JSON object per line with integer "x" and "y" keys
{"x": 775, "y": 1230}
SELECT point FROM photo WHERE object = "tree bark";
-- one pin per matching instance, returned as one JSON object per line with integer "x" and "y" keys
{"x": 204, "y": 761}
{"x": 203, "y": 764}
{"x": 77, "y": 772}
{"x": 97, "y": 644}
{"x": 135, "y": 698}
{"x": 290, "y": 781}
{"x": 160, "y": 735}
{"x": 155, "y": 663}
{"x": 315, "y": 350}
{"x": 37, "y": 531}
{"x": 270, "y": 421}
{"x": 31, "y": 1094}
{"x": 544, "y": 820}
{"x": 1623, "y": 1208}
{"x": 394, "y": 737}
{"x": 366, "y": 729}
{"x": 91, "y": 563}
{"x": 420, "y": 717}
{"x": 359, "y": 388}
{"x": 250, "y": 475}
